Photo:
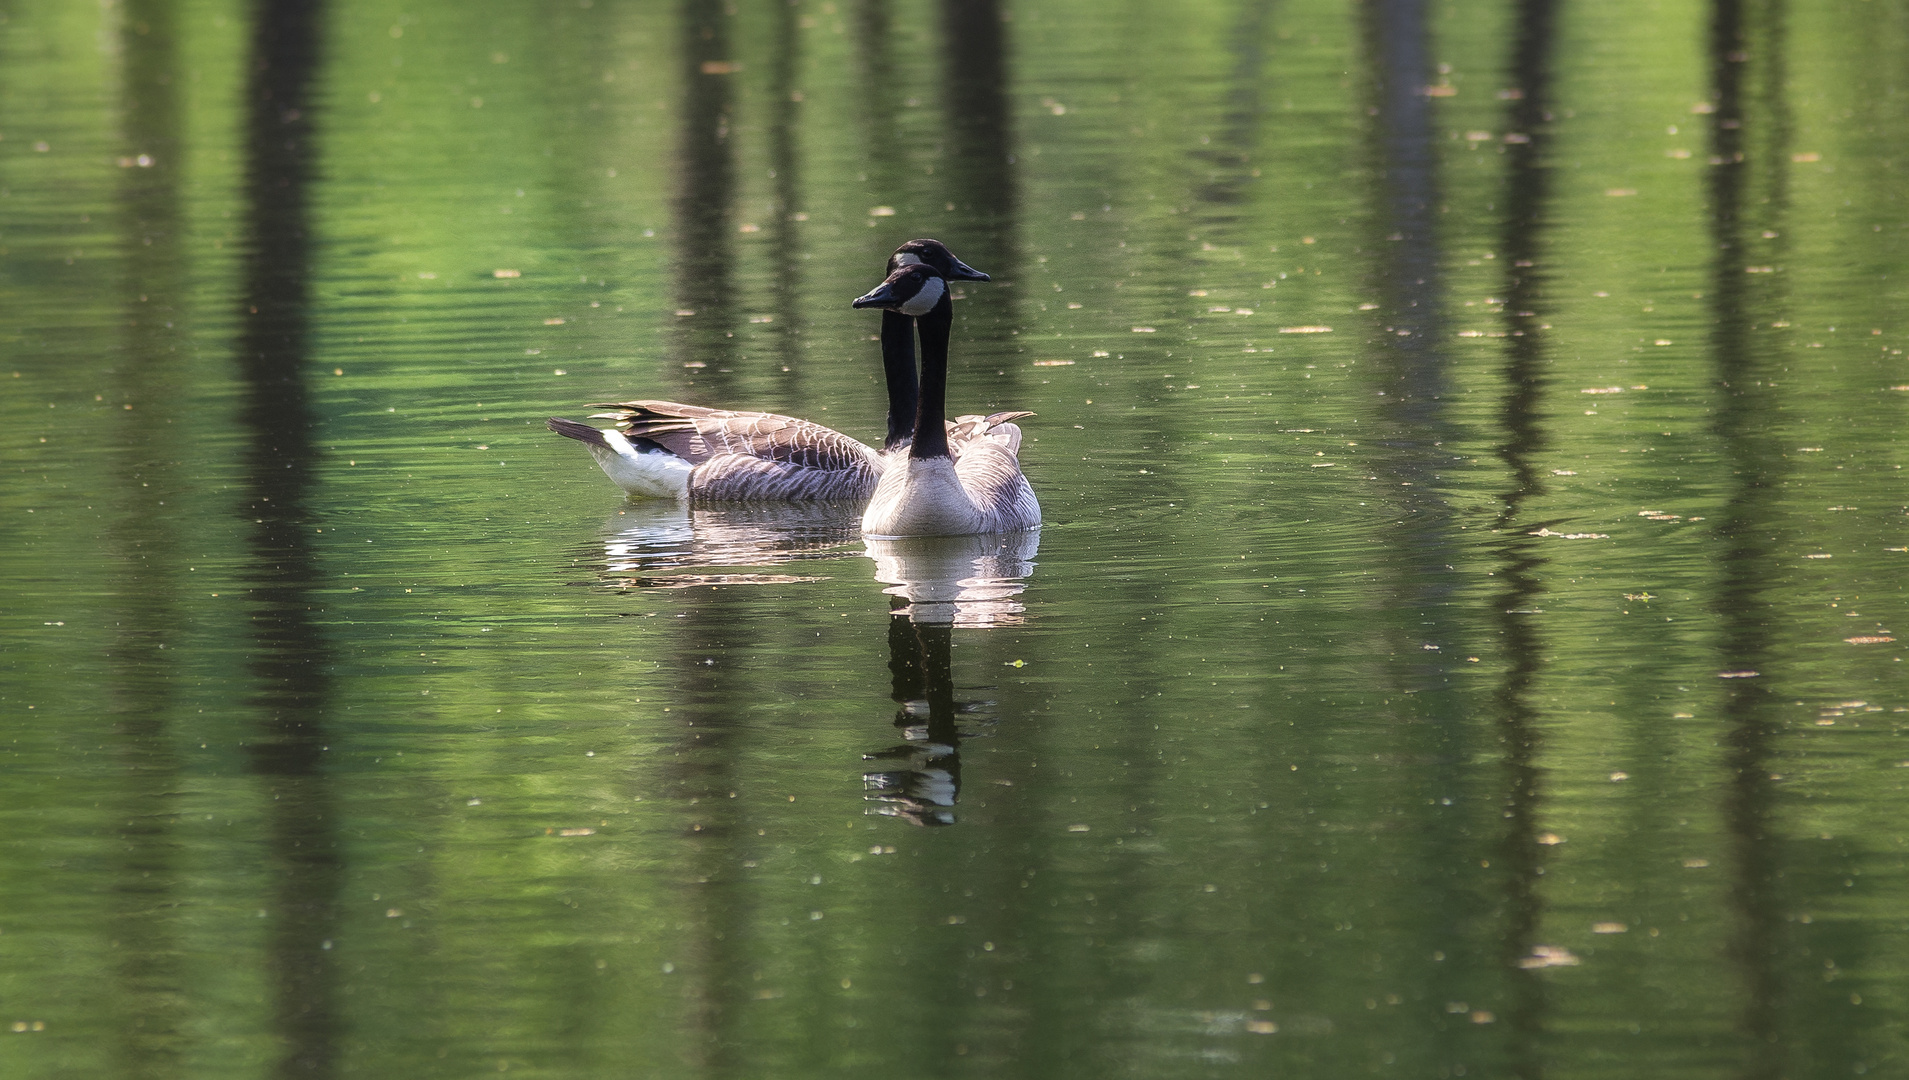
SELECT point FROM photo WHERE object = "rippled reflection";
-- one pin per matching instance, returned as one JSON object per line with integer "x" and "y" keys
{"x": 646, "y": 541}
{"x": 971, "y": 581}
{"x": 936, "y": 584}
{"x": 920, "y": 779}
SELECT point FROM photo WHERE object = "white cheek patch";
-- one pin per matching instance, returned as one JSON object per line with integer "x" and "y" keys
{"x": 906, "y": 258}
{"x": 925, "y": 300}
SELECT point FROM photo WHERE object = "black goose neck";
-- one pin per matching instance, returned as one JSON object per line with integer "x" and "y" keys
{"x": 898, "y": 368}
{"x": 931, "y": 434}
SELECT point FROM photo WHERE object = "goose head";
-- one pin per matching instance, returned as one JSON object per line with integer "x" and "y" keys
{"x": 915, "y": 289}
{"x": 935, "y": 254}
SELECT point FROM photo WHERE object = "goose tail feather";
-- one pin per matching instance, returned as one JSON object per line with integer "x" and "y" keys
{"x": 583, "y": 433}
{"x": 639, "y": 466}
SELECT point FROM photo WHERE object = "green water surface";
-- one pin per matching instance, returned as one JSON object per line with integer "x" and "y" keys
{"x": 1462, "y": 642}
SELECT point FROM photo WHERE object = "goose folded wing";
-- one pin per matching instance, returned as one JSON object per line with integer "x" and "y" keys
{"x": 741, "y": 478}
{"x": 990, "y": 473}
{"x": 697, "y": 435}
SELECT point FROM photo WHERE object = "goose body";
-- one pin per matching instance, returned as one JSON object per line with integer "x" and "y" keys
{"x": 669, "y": 450}
{"x": 943, "y": 485}
{"x": 665, "y": 450}
{"x": 982, "y": 492}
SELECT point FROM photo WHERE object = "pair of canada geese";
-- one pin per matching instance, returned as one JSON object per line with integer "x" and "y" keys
{"x": 930, "y": 478}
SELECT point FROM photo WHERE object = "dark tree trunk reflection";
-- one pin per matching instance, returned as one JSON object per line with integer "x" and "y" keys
{"x": 150, "y": 992}
{"x": 979, "y": 169}
{"x": 1243, "y": 119}
{"x": 1748, "y": 141}
{"x": 785, "y": 161}
{"x": 290, "y": 657}
{"x": 1522, "y": 562}
{"x": 714, "y": 693}
{"x": 1409, "y": 384}
{"x": 1410, "y": 276}
{"x": 980, "y": 129}
{"x": 706, "y": 191}
{"x": 878, "y": 108}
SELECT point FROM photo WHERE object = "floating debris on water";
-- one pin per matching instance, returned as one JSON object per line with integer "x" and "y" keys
{"x": 1547, "y": 956}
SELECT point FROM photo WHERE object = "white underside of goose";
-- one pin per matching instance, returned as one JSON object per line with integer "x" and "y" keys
{"x": 654, "y": 474}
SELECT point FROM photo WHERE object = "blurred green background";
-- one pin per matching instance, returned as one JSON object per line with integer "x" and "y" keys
{"x": 1462, "y": 642}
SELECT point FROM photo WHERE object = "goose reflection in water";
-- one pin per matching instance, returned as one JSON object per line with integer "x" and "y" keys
{"x": 936, "y": 584}
{"x": 969, "y": 581}
{"x": 646, "y": 541}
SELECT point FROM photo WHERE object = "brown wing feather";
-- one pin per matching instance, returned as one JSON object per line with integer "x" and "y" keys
{"x": 698, "y": 434}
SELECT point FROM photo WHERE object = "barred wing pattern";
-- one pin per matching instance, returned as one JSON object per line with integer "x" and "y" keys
{"x": 745, "y": 456}
{"x": 739, "y": 478}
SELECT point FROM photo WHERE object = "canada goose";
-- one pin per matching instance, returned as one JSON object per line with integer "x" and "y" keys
{"x": 944, "y": 487}
{"x": 898, "y": 335}
{"x": 664, "y": 449}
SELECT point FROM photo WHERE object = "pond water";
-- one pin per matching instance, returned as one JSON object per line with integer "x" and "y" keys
{"x": 1463, "y": 640}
